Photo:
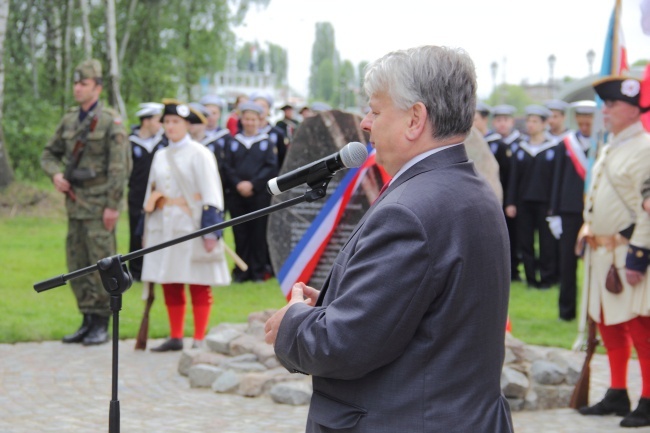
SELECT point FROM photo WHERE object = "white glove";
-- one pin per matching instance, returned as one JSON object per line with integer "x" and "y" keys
{"x": 555, "y": 224}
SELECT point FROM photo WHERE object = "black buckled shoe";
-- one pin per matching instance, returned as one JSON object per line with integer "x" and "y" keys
{"x": 171, "y": 344}
{"x": 98, "y": 333}
{"x": 616, "y": 401}
{"x": 640, "y": 416}
{"x": 79, "y": 334}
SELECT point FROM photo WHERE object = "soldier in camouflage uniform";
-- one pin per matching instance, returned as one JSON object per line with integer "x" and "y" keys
{"x": 93, "y": 179}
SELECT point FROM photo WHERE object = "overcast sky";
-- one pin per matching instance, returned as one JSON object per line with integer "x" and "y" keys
{"x": 520, "y": 34}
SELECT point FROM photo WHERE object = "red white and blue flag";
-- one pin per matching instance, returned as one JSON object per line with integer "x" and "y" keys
{"x": 304, "y": 258}
{"x": 614, "y": 63}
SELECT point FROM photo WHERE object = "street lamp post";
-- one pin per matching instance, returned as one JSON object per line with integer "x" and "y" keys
{"x": 551, "y": 65}
{"x": 590, "y": 59}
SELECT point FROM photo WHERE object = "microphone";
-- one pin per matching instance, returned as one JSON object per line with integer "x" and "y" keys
{"x": 351, "y": 155}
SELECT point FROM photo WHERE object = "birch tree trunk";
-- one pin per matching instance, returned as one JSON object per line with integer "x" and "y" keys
{"x": 127, "y": 30}
{"x": 32, "y": 53}
{"x": 6, "y": 173}
{"x": 85, "y": 22}
{"x": 66, "y": 69}
{"x": 114, "y": 68}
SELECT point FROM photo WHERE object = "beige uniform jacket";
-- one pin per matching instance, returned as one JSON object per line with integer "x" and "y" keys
{"x": 612, "y": 204}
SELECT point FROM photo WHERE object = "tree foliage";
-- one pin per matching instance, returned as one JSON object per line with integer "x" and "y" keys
{"x": 512, "y": 95}
{"x": 171, "y": 45}
{"x": 332, "y": 80}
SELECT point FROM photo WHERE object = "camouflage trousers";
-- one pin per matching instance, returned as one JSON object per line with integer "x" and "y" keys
{"x": 87, "y": 242}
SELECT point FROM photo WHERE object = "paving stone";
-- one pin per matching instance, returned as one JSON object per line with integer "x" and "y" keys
{"x": 40, "y": 396}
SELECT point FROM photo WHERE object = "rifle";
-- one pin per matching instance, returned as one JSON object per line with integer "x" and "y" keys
{"x": 580, "y": 396}
{"x": 143, "y": 332}
{"x": 77, "y": 153}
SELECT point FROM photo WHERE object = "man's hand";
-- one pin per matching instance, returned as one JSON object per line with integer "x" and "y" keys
{"x": 298, "y": 293}
{"x": 646, "y": 205}
{"x": 209, "y": 244}
{"x": 511, "y": 211}
{"x": 60, "y": 183}
{"x": 633, "y": 277}
{"x": 245, "y": 188}
{"x": 110, "y": 218}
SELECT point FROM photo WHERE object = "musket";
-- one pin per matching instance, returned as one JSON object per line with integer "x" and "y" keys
{"x": 580, "y": 396}
{"x": 143, "y": 332}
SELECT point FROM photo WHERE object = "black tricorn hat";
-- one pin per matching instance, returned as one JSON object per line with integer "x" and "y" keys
{"x": 619, "y": 88}
{"x": 173, "y": 106}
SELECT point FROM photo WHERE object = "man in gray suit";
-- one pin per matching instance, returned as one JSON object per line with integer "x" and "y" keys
{"x": 407, "y": 333}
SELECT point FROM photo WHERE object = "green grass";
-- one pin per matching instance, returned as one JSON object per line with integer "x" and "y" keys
{"x": 32, "y": 249}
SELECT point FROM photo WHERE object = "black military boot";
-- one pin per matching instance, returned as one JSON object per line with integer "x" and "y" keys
{"x": 79, "y": 334}
{"x": 98, "y": 333}
{"x": 616, "y": 401}
{"x": 171, "y": 344}
{"x": 640, "y": 416}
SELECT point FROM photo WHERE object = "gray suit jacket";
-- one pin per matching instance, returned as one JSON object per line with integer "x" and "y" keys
{"x": 408, "y": 332}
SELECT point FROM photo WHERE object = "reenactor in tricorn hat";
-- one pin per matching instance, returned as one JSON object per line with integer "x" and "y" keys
{"x": 89, "y": 161}
{"x": 183, "y": 195}
{"x": 616, "y": 234}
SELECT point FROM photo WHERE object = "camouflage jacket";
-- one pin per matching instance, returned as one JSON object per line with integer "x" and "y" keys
{"x": 106, "y": 153}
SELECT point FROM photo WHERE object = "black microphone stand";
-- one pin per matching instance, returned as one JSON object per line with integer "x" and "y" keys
{"x": 116, "y": 278}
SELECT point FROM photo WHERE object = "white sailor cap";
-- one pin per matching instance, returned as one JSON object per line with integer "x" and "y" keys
{"x": 484, "y": 108}
{"x": 199, "y": 107}
{"x": 212, "y": 100}
{"x": 320, "y": 106}
{"x": 262, "y": 95}
{"x": 557, "y": 105}
{"x": 148, "y": 109}
{"x": 504, "y": 110}
{"x": 584, "y": 107}
{"x": 537, "y": 110}
{"x": 250, "y": 106}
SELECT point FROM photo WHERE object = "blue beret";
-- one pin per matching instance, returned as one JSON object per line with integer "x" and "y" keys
{"x": 320, "y": 106}
{"x": 200, "y": 108}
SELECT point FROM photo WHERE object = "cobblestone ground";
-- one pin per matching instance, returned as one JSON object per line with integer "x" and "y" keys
{"x": 49, "y": 387}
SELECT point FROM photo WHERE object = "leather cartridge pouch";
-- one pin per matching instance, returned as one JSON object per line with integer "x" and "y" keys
{"x": 613, "y": 282}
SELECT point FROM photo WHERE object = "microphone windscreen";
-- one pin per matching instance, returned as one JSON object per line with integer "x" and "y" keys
{"x": 353, "y": 154}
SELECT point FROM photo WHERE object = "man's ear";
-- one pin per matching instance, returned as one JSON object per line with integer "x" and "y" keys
{"x": 417, "y": 122}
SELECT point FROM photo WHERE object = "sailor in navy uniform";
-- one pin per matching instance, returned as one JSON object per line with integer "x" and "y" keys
{"x": 528, "y": 197}
{"x": 146, "y": 139}
{"x": 498, "y": 148}
{"x": 288, "y": 124}
{"x": 214, "y": 106}
{"x": 556, "y": 122}
{"x": 277, "y": 138}
{"x": 503, "y": 122}
{"x": 216, "y": 139}
{"x": 567, "y": 201}
{"x": 250, "y": 162}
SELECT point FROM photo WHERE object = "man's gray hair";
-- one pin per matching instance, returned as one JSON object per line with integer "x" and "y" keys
{"x": 442, "y": 78}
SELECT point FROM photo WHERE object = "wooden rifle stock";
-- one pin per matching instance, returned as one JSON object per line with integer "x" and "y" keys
{"x": 77, "y": 153}
{"x": 580, "y": 396}
{"x": 143, "y": 332}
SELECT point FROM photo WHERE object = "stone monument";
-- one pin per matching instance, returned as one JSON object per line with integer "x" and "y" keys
{"x": 316, "y": 138}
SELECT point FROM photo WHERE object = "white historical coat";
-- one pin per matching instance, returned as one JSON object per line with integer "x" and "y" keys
{"x": 625, "y": 163}
{"x": 176, "y": 264}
